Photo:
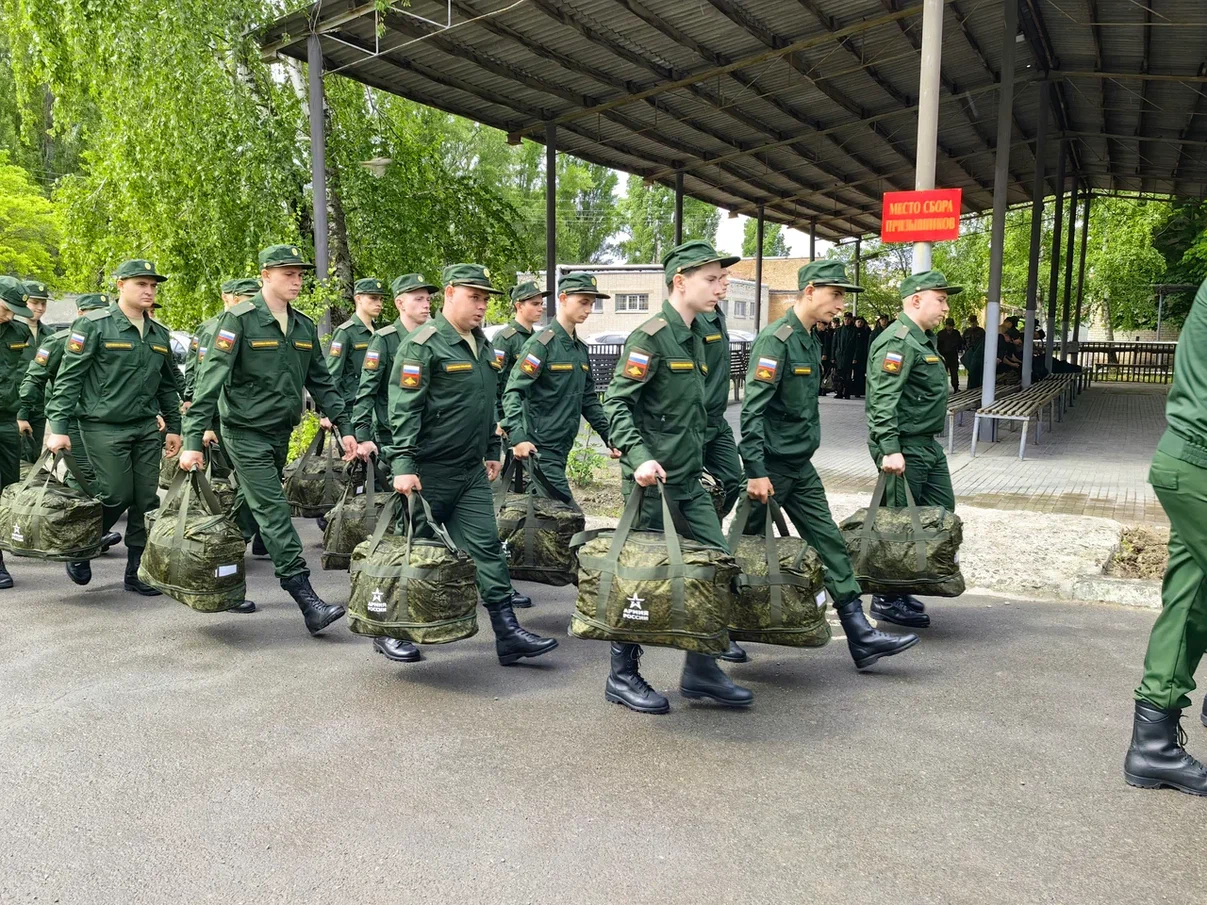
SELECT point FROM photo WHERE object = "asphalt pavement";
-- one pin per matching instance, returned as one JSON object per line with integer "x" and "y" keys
{"x": 150, "y": 754}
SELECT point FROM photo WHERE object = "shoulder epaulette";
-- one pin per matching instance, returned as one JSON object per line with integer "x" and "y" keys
{"x": 243, "y": 308}
{"x": 61, "y": 334}
{"x": 98, "y": 314}
{"x": 345, "y": 325}
{"x": 783, "y": 333}
{"x": 545, "y": 338}
{"x": 508, "y": 332}
{"x": 902, "y": 331}
{"x": 652, "y": 326}
{"x": 387, "y": 331}
{"x": 424, "y": 334}
{"x": 303, "y": 315}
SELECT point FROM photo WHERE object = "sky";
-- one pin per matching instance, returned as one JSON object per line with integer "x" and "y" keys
{"x": 729, "y": 238}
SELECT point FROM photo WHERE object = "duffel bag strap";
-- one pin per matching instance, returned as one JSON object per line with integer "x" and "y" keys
{"x": 532, "y": 468}
{"x": 35, "y": 521}
{"x": 611, "y": 562}
{"x": 217, "y": 455}
{"x": 388, "y": 516}
{"x": 674, "y": 551}
{"x": 201, "y": 486}
{"x": 774, "y": 576}
{"x": 439, "y": 530}
{"x": 505, "y": 480}
{"x": 869, "y": 522}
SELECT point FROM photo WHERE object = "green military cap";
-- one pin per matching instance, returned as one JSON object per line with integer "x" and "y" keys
{"x": 14, "y": 296}
{"x": 825, "y": 273}
{"x": 527, "y": 290}
{"x": 369, "y": 286}
{"x": 409, "y": 282}
{"x": 139, "y": 267}
{"x": 695, "y": 253}
{"x": 928, "y": 279}
{"x": 580, "y": 283}
{"x": 474, "y": 276}
{"x": 283, "y": 256}
{"x": 92, "y": 300}
{"x": 242, "y": 286}
{"x": 36, "y": 290}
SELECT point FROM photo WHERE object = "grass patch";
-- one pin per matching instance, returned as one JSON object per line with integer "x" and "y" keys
{"x": 1142, "y": 553}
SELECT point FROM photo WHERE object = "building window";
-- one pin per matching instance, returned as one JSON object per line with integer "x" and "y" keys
{"x": 633, "y": 302}
{"x": 739, "y": 309}
{"x": 597, "y": 305}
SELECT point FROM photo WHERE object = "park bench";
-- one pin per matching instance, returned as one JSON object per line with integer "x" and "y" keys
{"x": 967, "y": 401}
{"x": 1052, "y": 392}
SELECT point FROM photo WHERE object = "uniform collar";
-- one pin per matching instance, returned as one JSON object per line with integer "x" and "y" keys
{"x": 520, "y": 328}
{"x": 115, "y": 311}
{"x": 807, "y": 336}
{"x": 915, "y": 331}
{"x": 356, "y": 317}
{"x": 679, "y": 329}
{"x": 266, "y": 315}
{"x": 560, "y": 332}
{"x": 449, "y": 332}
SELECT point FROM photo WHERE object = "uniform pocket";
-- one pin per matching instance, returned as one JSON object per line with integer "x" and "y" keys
{"x": 1163, "y": 475}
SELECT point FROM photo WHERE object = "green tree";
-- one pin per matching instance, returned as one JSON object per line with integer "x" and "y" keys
{"x": 29, "y": 225}
{"x": 774, "y": 245}
{"x": 648, "y": 217}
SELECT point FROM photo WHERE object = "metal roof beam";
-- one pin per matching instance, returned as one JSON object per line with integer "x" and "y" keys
{"x": 1196, "y": 109}
{"x": 1036, "y": 34}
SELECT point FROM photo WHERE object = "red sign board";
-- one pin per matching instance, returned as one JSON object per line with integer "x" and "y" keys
{"x": 926, "y": 216}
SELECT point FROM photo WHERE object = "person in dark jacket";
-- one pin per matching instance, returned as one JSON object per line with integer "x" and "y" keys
{"x": 950, "y": 345}
{"x": 859, "y": 365}
{"x": 973, "y": 333}
{"x": 844, "y": 357}
{"x": 825, "y": 338}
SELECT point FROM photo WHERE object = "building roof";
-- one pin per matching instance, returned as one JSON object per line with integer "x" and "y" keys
{"x": 806, "y": 107}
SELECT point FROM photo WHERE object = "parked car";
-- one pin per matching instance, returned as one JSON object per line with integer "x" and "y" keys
{"x": 741, "y": 336}
{"x": 181, "y": 341}
{"x": 607, "y": 339}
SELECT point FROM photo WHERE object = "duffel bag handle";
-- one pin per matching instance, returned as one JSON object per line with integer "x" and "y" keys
{"x": 50, "y": 462}
{"x": 915, "y": 517}
{"x": 532, "y": 468}
{"x": 773, "y": 518}
{"x": 504, "y": 481}
{"x": 216, "y": 452}
{"x": 390, "y": 514}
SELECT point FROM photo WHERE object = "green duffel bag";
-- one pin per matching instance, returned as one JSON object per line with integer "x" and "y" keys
{"x": 652, "y": 587}
{"x": 168, "y": 467}
{"x": 716, "y": 493}
{"x": 31, "y": 448}
{"x": 315, "y": 482}
{"x": 218, "y": 474}
{"x": 45, "y": 518}
{"x": 781, "y": 595}
{"x": 413, "y": 589}
{"x": 536, "y": 530}
{"x": 194, "y": 550}
{"x": 915, "y": 550}
{"x": 354, "y": 518}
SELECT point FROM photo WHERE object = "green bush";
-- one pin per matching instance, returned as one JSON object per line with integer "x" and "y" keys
{"x": 303, "y": 435}
{"x": 584, "y": 463}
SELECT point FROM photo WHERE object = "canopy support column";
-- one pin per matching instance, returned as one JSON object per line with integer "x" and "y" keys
{"x": 551, "y": 219}
{"x": 1069, "y": 252}
{"x": 1054, "y": 269}
{"x": 858, "y": 266}
{"x": 812, "y": 240}
{"x": 679, "y": 208}
{"x": 1037, "y": 225}
{"x": 1085, "y": 233}
{"x": 758, "y": 271}
{"x": 318, "y": 167}
{"x": 928, "y": 111}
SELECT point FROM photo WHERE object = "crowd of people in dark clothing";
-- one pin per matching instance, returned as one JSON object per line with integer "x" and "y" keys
{"x": 844, "y": 354}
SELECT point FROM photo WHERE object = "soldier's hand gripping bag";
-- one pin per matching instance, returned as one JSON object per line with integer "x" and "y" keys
{"x": 354, "y": 518}
{"x": 412, "y": 588}
{"x": 536, "y": 530}
{"x": 315, "y": 482}
{"x": 218, "y": 474}
{"x": 915, "y": 550}
{"x": 781, "y": 596}
{"x": 652, "y": 587}
{"x": 46, "y": 518}
{"x": 168, "y": 466}
{"x": 194, "y": 550}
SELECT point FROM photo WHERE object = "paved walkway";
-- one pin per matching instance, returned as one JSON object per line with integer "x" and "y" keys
{"x": 1093, "y": 463}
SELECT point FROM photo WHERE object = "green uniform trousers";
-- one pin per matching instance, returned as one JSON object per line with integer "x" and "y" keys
{"x": 258, "y": 458}
{"x": 692, "y": 501}
{"x": 125, "y": 465}
{"x": 1179, "y": 636}
{"x": 721, "y": 460}
{"x": 802, "y": 496}
{"x": 462, "y": 502}
{"x": 926, "y": 472}
{"x": 80, "y": 454}
{"x": 32, "y": 443}
{"x": 10, "y": 451}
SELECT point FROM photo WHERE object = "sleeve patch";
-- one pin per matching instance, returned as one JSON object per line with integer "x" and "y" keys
{"x": 75, "y": 342}
{"x": 372, "y": 360}
{"x": 637, "y": 367}
{"x": 336, "y": 348}
{"x": 531, "y": 364}
{"x": 225, "y": 340}
{"x": 892, "y": 362}
{"x": 500, "y": 358}
{"x": 43, "y": 356}
{"x": 201, "y": 353}
{"x": 195, "y": 345}
{"x": 412, "y": 375}
{"x": 766, "y": 369}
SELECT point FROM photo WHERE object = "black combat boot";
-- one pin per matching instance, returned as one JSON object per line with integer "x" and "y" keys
{"x": 257, "y": 546}
{"x": 867, "y": 644}
{"x": 247, "y": 606}
{"x": 318, "y": 613}
{"x": 396, "y": 650}
{"x": 1203, "y": 717}
{"x": 520, "y": 601}
{"x": 703, "y": 678}
{"x": 1156, "y": 757}
{"x": 735, "y": 654}
{"x": 898, "y": 612}
{"x": 112, "y": 539}
{"x": 512, "y": 642}
{"x": 6, "y": 580}
{"x": 626, "y": 685}
{"x": 132, "y": 582}
{"x": 80, "y": 572}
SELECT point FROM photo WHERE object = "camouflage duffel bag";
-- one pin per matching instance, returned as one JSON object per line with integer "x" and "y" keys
{"x": 45, "y": 518}
{"x": 168, "y": 467}
{"x": 354, "y": 518}
{"x": 218, "y": 474}
{"x": 652, "y": 587}
{"x": 536, "y": 530}
{"x": 781, "y": 596}
{"x": 315, "y": 482}
{"x": 716, "y": 493}
{"x": 412, "y": 588}
{"x": 915, "y": 550}
{"x": 194, "y": 550}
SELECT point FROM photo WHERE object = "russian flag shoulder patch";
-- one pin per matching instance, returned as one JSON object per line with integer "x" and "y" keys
{"x": 893, "y": 362}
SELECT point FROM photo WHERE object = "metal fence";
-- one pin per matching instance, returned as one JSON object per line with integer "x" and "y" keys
{"x": 1134, "y": 362}
{"x": 603, "y": 363}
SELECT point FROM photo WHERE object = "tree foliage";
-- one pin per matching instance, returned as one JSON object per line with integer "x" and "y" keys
{"x": 648, "y": 212}
{"x": 29, "y": 225}
{"x": 774, "y": 244}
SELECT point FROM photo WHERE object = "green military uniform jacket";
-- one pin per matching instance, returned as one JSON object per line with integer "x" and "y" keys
{"x": 780, "y": 424}
{"x": 1185, "y": 435}
{"x": 655, "y": 402}
{"x": 443, "y": 400}
{"x": 716, "y": 357}
{"x": 906, "y": 387}
{"x": 371, "y": 407}
{"x": 509, "y": 341}
{"x": 113, "y": 375}
{"x": 197, "y": 351}
{"x": 253, "y": 374}
{"x": 549, "y": 390}
{"x": 345, "y": 357}
{"x": 16, "y": 348}
{"x": 40, "y": 374}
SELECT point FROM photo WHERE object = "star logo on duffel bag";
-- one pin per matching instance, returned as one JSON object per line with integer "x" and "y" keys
{"x": 17, "y": 535}
{"x": 506, "y": 550}
{"x": 635, "y": 610}
{"x": 377, "y": 603}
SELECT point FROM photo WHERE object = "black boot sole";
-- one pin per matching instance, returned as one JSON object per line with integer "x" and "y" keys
{"x": 6, "y": 582}
{"x": 1145, "y": 782}
{"x": 144, "y": 590}
{"x": 922, "y": 622}
{"x": 508, "y": 659}
{"x": 407, "y": 659}
{"x": 83, "y": 582}
{"x": 745, "y": 658}
{"x": 1203, "y": 718}
{"x": 612, "y": 698}
{"x": 242, "y": 610}
{"x": 872, "y": 658}
{"x": 697, "y": 695}
{"x": 338, "y": 614}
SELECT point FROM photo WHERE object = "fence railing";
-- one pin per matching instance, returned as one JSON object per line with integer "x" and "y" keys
{"x": 1123, "y": 362}
{"x": 603, "y": 363}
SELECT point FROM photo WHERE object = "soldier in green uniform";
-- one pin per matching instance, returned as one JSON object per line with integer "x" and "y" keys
{"x": 116, "y": 376}
{"x": 551, "y": 388}
{"x": 658, "y": 419}
{"x": 34, "y": 427}
{"x": 721, "y": 458}
{"x": 38, "y": 383}
{"x": 906, "y": 407}
{"x": 15, "y": 349}
{"x": 443, "y": 403}
{"x": 233, "y": 292}
{"x": 529, "y": 303}
{"x": 264, "y": 352}
{"x": 350, "y": 341}
{"x": 781, "y": 430}
{"x": 1156, "y": 756}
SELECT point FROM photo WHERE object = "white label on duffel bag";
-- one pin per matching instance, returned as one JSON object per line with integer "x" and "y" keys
{"x": 635, "y": 611}
{"x": 957, "y": 559}
{"x": 223, "y": 571}
{"x": 377, "y": 603}
{"x": 360, "y": 490}
{"x": 821, "y": 599}
{"x": 17, "y": 535}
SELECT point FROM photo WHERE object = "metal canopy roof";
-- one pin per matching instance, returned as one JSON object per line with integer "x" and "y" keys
{"x": 804, "y": 106}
